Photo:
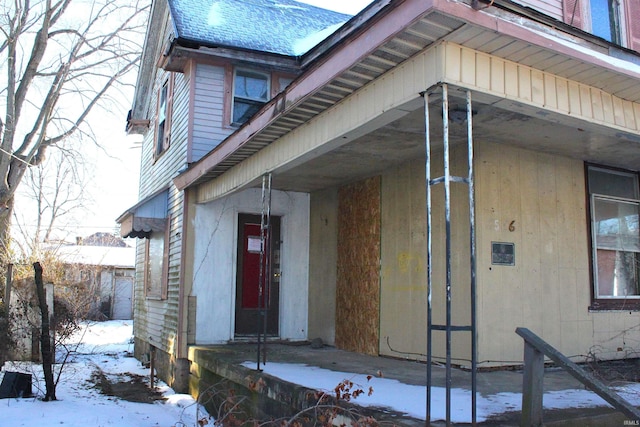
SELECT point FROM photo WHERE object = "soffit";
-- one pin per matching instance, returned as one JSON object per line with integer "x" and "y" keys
{"x": 433, "y": 27}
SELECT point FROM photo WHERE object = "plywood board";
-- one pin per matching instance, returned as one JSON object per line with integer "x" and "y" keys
{"x": 358, "y": 275}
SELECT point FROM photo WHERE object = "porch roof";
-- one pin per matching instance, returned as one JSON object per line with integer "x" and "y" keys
{"x": 147, "y": 216}
{"x": 398, "y": 31}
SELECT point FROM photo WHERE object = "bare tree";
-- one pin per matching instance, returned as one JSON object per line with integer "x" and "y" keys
{"x": 55, "y": 188}
{"x": 61, "y": 59}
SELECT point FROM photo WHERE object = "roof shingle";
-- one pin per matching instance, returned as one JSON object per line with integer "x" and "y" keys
{"x": 283, "y": 27}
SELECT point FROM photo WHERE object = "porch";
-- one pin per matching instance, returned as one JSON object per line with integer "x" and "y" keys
{"x": 235, "y": 366}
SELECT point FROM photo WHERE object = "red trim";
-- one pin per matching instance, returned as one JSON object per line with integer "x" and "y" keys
{"x": 572, "y": 11}
{"x": 403, "y": 15}
{"x": 632, "y": 15}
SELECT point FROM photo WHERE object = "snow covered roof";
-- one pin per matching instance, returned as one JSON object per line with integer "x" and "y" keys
{"x": 107, "y": 256}
{"x": 283, "y": 27}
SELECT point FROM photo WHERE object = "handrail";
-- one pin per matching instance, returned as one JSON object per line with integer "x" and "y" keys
{"x": 535, "y": 348}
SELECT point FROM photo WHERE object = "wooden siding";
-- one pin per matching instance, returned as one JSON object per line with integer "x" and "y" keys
{"x": 509, "y": 85}
{"x": 358, "y": 277}
{"x": 537, "y": 201}
{"x": 511, "y": 81}
{"x": 156, "y": 320}
{"x": 323, "y": 247}
{"x": 553, "y": 8}
{"x": 403, "y": 308}
{"x": 208, "y": 110}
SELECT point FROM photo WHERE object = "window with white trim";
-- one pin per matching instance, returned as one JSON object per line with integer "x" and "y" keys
{"x": 606, "y": 20}
{"x": 251, "y": 91}
{"x": 615, "y": 235}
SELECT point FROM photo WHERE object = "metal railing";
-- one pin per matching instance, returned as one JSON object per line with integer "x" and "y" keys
{"x": 535, "y": 349}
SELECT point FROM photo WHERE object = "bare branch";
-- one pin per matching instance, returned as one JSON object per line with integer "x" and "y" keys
{"x": 58, "y": 70}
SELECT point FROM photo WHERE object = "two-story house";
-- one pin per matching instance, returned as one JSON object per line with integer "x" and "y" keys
{"x": 206, "y": 68}
{"x": 468, "y": 165}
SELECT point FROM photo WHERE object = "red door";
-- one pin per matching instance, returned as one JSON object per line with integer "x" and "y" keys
{"x": 249, "y": 304}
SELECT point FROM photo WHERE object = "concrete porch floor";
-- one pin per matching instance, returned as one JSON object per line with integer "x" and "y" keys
{"x": 225, "y": 361}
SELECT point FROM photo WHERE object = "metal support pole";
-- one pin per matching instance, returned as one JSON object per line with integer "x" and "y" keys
{"x": 264, "y": 274}
{"x": 429, "y": 251}
{"x": 447, "y": 220}
{"x": 448, "y": 327}
{"x": 472, "y": 261}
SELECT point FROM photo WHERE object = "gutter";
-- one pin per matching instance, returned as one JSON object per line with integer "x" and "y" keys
{"x": 322, "y": 69}
{"x": 367, "y": 35}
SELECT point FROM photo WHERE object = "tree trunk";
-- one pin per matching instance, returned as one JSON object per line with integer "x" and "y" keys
{"x": 6, "y": 212}
{"x": 45, "y": 337}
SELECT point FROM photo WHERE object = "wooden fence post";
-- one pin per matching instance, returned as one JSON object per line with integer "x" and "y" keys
{"x": 532, "y": 387}
{"x": 45, "y": 336}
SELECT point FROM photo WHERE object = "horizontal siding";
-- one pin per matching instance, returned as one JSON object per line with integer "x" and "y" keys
{"x": 156, "y": 321}
{"x": 370, "y": 103}
{"x": 505, "y": 83}
{"x": 553, "y": 8}
{"x": 208, "y": 110}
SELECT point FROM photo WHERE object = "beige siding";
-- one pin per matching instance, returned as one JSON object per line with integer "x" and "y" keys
{"x": 542, "y": 198}
{"x": 533, "y": 88}
{"x": 403, "y": 313}
{"x": 534, "y": 200}
{"x": 403, "y": 310}
{"x": 322, "y": 265}
{"x": 208, "y": 111}
{"x": 508, "y": 85}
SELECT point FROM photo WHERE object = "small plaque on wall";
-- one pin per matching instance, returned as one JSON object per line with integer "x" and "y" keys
{"x": 503, "y": 253}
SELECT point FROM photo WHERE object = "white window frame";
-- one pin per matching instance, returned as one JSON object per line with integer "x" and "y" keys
{"x": 621, "y": 17}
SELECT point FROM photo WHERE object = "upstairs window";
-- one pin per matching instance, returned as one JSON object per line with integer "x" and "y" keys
{"x": 250, "y": 92}
{"x": 605, "y": 20}
{"x": 163, "y": 116}
{"x": 615, "y": 235}
{"x": 617, "y": 21}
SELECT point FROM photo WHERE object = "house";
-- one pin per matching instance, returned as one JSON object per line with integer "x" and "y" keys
{"x": 99, "y": 274}
{"x": 490, "y": 149}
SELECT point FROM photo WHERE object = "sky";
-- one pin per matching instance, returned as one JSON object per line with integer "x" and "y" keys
{"x": 106, "y": 346}
{"x": 115, "y": 167}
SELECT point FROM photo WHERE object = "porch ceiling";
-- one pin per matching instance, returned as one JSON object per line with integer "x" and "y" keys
{"x": 404, "y": 139}
{"x": 470, "y": 30}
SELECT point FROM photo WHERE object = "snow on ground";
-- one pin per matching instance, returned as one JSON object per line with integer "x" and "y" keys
{"x": 410, "y": 399}
{"x": 106, "y": 345}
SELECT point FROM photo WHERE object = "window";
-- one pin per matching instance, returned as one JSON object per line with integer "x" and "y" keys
{"x": 163, "y": 116}
{"x": 615, "y": 235}
{"x": 605, "y": 20}
{"x": 250, "y": 93}
{"x": 156, "y": 265}
{"x": 617, "y": 21}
